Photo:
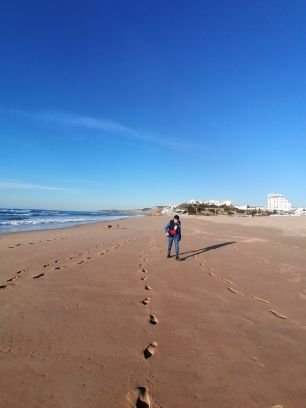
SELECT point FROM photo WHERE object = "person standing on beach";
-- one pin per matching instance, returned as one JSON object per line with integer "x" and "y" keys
{"x": 173, "y": 232}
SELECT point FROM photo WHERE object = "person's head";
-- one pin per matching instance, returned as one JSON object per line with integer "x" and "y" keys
{"x": 176, "y": 218}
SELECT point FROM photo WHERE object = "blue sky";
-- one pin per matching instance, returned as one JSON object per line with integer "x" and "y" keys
{"x": 124, "y": 104}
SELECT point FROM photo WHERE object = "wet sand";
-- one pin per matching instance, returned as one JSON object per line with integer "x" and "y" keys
{"x": 98, "y": 317}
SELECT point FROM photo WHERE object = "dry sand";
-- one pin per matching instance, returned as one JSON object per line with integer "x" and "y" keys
{"x": 289, "y": 225}
{"x": 225, "y": 327}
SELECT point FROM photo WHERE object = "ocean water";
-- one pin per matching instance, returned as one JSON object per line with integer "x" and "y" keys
{"x": 14, "y": 219}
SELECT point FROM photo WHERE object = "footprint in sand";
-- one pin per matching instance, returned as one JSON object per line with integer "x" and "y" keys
{"x": 2, "y": 286}
{"x": 150, "y": 350}
{"x": 146, "y": 301}
{"x": 284, "y": 268}
{"x": 38, "y": 276}
{"x": 11, "y": 279}
{"x": 147, "y": 287}
{"x": 227, "y": 281}
{"x": 233, "y": 290}
{"x": 144, "y": 278}
{"x": 46, "y": 265}
{"x": 303, "y": 294}
{"x": 296, "y": 278}
{"x": 278, "y": 314}
{"x": 211, "y": 271}
{"x": 262, "y": 259}
{"x": 143, "y": 400}
{"x": 153, "y": 319}
{"x": 144, "y": 270}
{"x": 260, "y": 299}
{"x": 79, "y": 263}
{"x": 256, "y": 359}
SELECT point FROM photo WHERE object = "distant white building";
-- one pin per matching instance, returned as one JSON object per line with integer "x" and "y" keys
{"x": 211, "y": 202}
{"x": 278, "y": 202}
{"x": 242, "y": 207}
{"x": 250, "y": 207}
{"x": 192, "y": 201}
{"x": 169, "y": 209}
{"x": 300, "y": 211}
{"x": 227, "y": 203}
{"x": 218, "y": 203}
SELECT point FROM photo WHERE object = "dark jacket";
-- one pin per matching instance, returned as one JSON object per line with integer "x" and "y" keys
{"x": 174, "y": 226}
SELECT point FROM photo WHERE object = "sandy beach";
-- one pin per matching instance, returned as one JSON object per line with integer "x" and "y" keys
{"x": 225, "y": 327}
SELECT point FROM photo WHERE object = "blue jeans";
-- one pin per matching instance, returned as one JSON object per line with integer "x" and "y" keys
{"x": 176, "y": 244}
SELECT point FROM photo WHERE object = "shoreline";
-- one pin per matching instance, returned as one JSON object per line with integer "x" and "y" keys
{"x": 69, "y": 225}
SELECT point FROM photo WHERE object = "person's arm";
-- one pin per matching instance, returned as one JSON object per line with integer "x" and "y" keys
{"x": 167, "y": 228}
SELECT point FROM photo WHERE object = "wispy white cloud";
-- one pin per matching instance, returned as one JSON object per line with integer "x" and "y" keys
{"x": 17, "y": 185}
{"x": 82, "y": 182}
{"x": 108, "y": 126}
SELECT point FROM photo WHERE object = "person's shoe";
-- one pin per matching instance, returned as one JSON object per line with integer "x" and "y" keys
{"x": 177, "y": 258}
{"x": 168, "y": 256}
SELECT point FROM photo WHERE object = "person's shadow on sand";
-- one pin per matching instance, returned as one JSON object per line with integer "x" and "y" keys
{"x": 201, "y": 250}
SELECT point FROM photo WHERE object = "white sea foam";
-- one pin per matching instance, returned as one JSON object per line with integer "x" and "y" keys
{"x": 13, "y": 220}
{"x": 60, "y": 220}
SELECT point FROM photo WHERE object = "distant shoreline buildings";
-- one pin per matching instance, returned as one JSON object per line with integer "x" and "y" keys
{"x": 211, "y": 202}
{"x": 169, "y": 209}
{"x": 278, "y": 202}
